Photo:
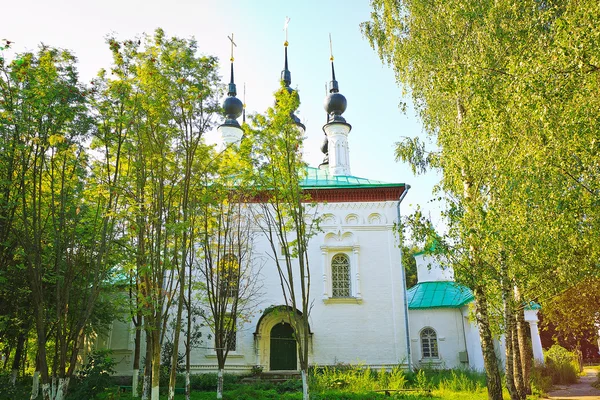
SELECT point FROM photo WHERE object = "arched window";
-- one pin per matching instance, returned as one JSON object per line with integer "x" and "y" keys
{"x": 340, "y": 276}
{"x": 429, "y": 347}
{"x": 229, "y": 272}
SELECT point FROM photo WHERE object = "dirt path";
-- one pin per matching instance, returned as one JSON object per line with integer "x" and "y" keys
{"x": 582, "y": 390}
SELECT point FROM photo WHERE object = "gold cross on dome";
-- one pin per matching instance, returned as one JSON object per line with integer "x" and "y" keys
{"x": 285, "y": 28}
{"x": 232, "y": 44}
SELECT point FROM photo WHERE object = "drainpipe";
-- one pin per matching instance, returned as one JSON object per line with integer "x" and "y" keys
{"x": 405, "y": 296}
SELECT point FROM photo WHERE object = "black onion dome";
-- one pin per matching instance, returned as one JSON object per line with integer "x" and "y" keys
{"x": 335, "y": 102}
{"x": 233, "y": 107}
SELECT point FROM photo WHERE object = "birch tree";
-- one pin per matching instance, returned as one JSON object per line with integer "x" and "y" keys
{"x": 284, "y": 212}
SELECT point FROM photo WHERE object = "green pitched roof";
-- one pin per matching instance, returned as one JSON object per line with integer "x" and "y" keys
{"x": 317, "y": 178}
{"x": 532, "y": 305}
{"x": 438, "y": 294}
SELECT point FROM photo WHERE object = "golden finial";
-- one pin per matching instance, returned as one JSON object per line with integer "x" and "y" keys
{"x": 285, "y": 28}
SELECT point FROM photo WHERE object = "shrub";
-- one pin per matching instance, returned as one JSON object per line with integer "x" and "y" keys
{"x": 208, "y": 382}
{"x": 356, "y": 379}
{"x": 8, "y": 391}
{"x": 562, "y": 365}
{"x": 94, "y": 377}
{"x": 597, "y": 383}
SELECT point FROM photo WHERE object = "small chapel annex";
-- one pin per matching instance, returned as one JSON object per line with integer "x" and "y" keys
{"x": 362, "y": 312}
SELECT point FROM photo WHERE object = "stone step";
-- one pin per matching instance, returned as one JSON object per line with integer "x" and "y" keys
{"x": 273, "y": 376}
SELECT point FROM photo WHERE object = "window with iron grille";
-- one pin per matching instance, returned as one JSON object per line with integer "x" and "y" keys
{"x": 231, "y": 340}
{"x": 229, "y": 275}
{"x": 340, "y": 276}
{"x": 429, "y": 347}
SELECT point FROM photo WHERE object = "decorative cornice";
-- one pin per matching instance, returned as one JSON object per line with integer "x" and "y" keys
{"x": 368, "y": 195}
{"x": 353, "y": 195}
{"x": 360, "y": 205}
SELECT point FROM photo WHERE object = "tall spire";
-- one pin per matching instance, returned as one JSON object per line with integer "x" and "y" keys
{"x": 335, "y": 146}
{"x": 230, "y": 130}
{"x": 232, "y": 105}
{"x": 335, "y": 102}
{"x": 286, "y": 75}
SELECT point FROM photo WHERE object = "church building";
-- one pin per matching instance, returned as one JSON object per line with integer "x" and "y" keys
{"x": 362, "y": 312}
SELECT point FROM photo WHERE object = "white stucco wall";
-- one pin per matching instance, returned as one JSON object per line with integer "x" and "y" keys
{"x": 367, "y": 328}
{"x": 430, "y": 270}
{"x": 449, "y": 328}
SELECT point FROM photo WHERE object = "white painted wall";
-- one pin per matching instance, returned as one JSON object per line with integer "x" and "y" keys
{"x": 430, "y": 270}
{"x": 448, "y": 325}
{"x": 366, "y": 329}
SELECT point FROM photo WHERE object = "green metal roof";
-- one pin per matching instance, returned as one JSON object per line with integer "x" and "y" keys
{"x": 438, "y": 294}
{"x": 532, "y": 305}
{"x": 319, "y": 179}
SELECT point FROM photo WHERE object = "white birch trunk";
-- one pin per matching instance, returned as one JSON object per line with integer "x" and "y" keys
{"x": 35, "y": 386}
{"x": 154, "y": 395}
{"x": 188, "y": 389}
{"x": 134, "y": 383}
{"x": 145, "y": 387}
{"x": 220, "y": 384}
{"x": 61, "y": 390}
{"x": 304, "y": 386}
{"x": 13, "y": 377}
{"x": 46, "y": 391}
{"x": 54, "y": 387}
{"x": 171, "y": 393}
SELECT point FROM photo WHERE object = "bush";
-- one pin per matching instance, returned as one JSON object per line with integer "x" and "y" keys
{"x": 208, "y": 382}
{"x": 8, "y": 391}
{"x": 562, "y": 365}
{"x": 597, "y": 383}
{"x": 448, "y": 379}
{"x": 356, "y": 379}
{"x": 94, "y": 377}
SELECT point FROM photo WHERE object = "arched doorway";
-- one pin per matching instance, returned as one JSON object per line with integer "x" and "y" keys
{"x": 283, "y": 348}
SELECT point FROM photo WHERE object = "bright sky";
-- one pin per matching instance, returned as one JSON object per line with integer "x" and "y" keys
{"x": 372, "y": 94}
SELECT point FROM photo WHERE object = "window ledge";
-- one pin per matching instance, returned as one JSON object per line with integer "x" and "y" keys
{"x": 431, "y": 361}
{"x": 343, "y": 300}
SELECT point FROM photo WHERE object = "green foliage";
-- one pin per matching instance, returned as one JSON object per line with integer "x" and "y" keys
{"x": 208, "y": 382}
{"x": 356, "y": 379}
{"x": 94, "y": 377}
{"x": 8, "y": 391}
{"x": 596, "y": 384}
{"x": 561, "y": 365}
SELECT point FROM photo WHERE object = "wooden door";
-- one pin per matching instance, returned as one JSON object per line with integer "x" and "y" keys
{"x": 283, "y": 348}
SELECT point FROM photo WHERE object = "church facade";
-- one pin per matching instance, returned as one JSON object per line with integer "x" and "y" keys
{"x": 361, "y": 310}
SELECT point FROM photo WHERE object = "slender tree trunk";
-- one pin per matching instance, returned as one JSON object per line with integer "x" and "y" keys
{"x": 35, "y": 386}
{"x": 177, "y": 334}
{"x": 305, "y": 394}
{"x": 220, "y": 383}
{"x": 525, "y": 350}
{"x": 490, "y": 361}
{"x": 17, "y": 359}
{"x": 147, "y": 366}
{"x": 508, "y": 339}
{"x": 136, "y": 356}
{"x": 518, "y": 370}
{"x": 155, "y": 362}
{"x": 62, "y": 388}
{"x": 188, "y": 339}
